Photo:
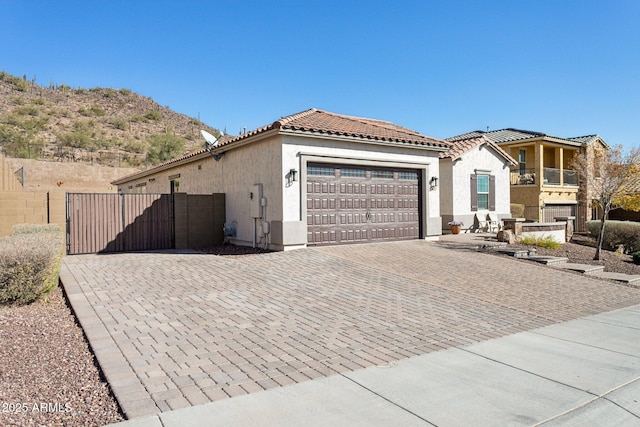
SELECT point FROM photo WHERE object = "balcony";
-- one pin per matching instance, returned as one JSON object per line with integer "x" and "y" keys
{"x": 523, "y": 176}
{"x": 552, "y": 177}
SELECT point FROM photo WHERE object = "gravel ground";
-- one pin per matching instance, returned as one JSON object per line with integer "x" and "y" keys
{"x": 581, "y": 250}
{"x": 48, "y": 374}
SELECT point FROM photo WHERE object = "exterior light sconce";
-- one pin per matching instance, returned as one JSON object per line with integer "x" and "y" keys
{"x": 433, "y": 182}
{"x": 293, "y": 174}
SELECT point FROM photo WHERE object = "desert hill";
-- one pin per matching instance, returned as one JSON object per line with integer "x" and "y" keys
{"x": 99, "y": 126}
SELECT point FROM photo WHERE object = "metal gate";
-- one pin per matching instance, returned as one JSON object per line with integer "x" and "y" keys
{"x": 118, "y": 222}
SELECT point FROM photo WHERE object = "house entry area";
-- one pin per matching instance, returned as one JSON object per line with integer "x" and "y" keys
{"x": 347, "y": 204}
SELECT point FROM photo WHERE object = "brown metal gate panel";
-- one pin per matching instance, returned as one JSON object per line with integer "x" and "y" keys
{"x": 357, "y": 204}
{"x": 118, "y": 222}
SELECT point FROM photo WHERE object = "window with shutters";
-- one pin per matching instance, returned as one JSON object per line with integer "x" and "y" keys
{"x": 483, "y": 192}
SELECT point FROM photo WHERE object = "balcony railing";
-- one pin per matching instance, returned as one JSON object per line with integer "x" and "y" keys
{"x": 552, "y": 177}
{"x": 523, "y": 176}
{"x": 570, "y": 178}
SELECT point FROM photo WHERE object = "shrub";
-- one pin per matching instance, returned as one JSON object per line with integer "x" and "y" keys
{"x": 626, "y": 233}
{"x": 29, "y": 263}
{"x": 163, "y": 147}
{"x": 636, "y": 257}
{"x": 35, "y": 228}
{"x": 27, "y": 110}
{"x": 93, "y": 111}
{"x": 153, "y": 115}
{"x": 517, "y": 210}
{"x": 119, "y": 123}
{"x": 542, "y": 242}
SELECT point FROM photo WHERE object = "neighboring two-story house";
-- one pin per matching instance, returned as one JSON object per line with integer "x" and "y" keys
{"x": 543, "y": 179}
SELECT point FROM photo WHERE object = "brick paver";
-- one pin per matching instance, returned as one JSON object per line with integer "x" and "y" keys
{"x": 173, "y": 330}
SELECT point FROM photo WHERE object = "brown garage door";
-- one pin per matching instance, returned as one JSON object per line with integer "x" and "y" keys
{"x": 358, "y": 204}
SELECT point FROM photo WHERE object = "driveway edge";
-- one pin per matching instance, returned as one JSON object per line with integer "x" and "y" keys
{"x": 133, "y": 398}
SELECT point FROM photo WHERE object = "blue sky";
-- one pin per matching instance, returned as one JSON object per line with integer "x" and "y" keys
{"x": 566, "y": 68}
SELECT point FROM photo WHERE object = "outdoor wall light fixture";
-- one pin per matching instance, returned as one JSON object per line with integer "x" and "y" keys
{"x": 433, "y": 182}
{"x": 293, "y": 174}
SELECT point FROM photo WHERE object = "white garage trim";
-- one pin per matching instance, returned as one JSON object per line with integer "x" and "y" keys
{"x": 423, "y": 169}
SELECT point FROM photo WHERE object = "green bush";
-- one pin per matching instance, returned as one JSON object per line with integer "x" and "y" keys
{"x": 29, "y": 263}
{"x": 163, "y": 147}
{"x": 27, "y": 110}
{"x": 119, "y": 123}
{"x": 153, "y": 115}
{"x": 16, "y": 101}
{"x": 542, "y": 242}
{"x": 83, "y": 135}
{"x": 636, "y": 257}
{"x": 93, "y": 111}
{"x": 626, "y": 233}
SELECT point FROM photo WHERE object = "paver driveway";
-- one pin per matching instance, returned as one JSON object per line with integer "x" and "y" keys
{"x": 174, "y": 330}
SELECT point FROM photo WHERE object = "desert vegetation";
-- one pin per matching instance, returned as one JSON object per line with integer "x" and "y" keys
{"x": 30, "y": 263}
{"x": 112, "y": 127}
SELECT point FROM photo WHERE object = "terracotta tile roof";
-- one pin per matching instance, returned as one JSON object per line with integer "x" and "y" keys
{"x": 326, "y": 123}
{"x": 321, "y": 122}
{"x": 462, "y": 146}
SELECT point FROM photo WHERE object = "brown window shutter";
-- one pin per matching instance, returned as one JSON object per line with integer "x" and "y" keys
{"x": 474, "y": 192}
{"x": 492, "y": 192}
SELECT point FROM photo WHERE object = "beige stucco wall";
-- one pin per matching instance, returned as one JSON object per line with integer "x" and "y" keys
{"x": 234, "y": 174}
{"x": 241, "y": 168}
{"x": 528, "y": 195}
{"x": 195, "y": 178}
{"x": 446, "y": 189}
{"x": 457, "y": 188}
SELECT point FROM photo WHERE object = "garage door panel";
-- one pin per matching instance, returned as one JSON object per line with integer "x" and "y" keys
{"x": 364, "y": 207}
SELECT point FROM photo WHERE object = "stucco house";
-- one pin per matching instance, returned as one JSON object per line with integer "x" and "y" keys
{"x": 474, "y": 182}
{"x": 313, "y": 178}
{"x": 543, "y": 180}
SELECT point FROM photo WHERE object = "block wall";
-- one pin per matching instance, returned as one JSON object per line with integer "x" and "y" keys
{"x": 17, "y": 207}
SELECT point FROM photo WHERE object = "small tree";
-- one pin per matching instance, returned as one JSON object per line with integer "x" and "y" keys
{"x": 611, "y": 174}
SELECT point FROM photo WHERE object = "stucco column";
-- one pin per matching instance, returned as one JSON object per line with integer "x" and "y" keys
{"x": 540, "y": 175}
{"x": 561, "y": 161}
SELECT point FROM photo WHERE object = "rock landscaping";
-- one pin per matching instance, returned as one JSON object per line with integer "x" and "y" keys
{"x": 48, "y": 374}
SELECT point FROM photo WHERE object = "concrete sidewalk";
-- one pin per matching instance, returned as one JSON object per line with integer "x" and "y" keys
{"x": 580, "y": 372}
